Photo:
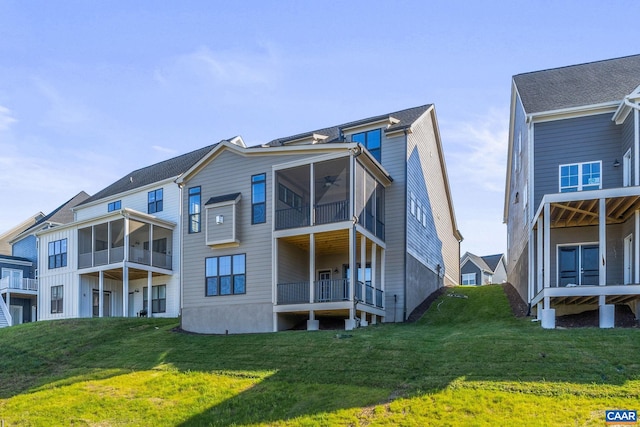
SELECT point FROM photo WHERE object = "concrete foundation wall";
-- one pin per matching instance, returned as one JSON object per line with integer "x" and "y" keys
{"x": 232, "y": 319}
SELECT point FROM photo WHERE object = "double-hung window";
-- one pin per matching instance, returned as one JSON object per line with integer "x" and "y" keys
{"x": 114, "y": 206}
{"x": 372, "y": 140}
{"x": 469, "y": 279}
{"x": 225, "y": 275}
{"x": 57, "y": 299}
{"x": 158, "y": 299}
{"x": 258, "y": 198}
{"x": 154, "y": 200}
{"x": 58, "y": 254}
{"x": 194, "y": 210}
{"x": 580, "y": 176}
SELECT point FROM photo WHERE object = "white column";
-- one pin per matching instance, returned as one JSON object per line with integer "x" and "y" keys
{"x": 636, "y": 248}
{"x": 149, "y": 287}
{"x": 636, "y": 148}
{"x": 312, "y": 267}
{"x": 350, "y": 322}
{"x": 383, "y": 268}
{"x": 125, "y": 290}
{"x": 150, "y": 244}
{"x": 101, "y": 294}
{"x": 363, "y": 265}
{"x": 274, "y": 262}
{"x": 539, "y": 256}
{"x": 602, "y": 228}
{"x": 374, "y": 270}
{"x": 547, "y": 246}
{"x": 126, "y": 239}
{"x": 531, "y": 275}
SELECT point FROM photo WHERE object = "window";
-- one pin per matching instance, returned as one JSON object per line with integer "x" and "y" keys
{"x": 372, "y": 140}
{"x": 413, "y": 205}
{"x": 114, "y": 206}
{"x": 155, "y": 201}
{"x": 225, "y": 275}
{"x": 194, "y": 210}
{"x": 58, "y": 254}
{"x": 57, "y": 298}
{"x": 258, "y": 198}
{"x": 580, "y": 177}
{"x": 469, "y": 279}
{"x": 158, "y": 299}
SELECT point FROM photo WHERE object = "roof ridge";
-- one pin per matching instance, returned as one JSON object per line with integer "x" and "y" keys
{"x": 576, "y": 65}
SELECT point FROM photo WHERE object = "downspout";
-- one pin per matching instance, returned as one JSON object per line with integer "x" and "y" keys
{"x": 181, "y": 246}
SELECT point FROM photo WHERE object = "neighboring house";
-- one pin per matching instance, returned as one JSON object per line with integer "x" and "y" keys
{"x": 353, "y": 223}
{"x": 572, "y": 195}
{"x": 121, "y": 251}
{"x": 483, "y": 270}
{"x": 9, "y": 235}
{"x": 19, "y": 280}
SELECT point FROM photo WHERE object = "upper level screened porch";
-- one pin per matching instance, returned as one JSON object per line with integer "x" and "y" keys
{"x": 326, "y": 192}
{"x": 127, "y": 236}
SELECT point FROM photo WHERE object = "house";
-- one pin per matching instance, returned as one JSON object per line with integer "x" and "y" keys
{"x": 572, "y": 199}
{"x": 9, "y": 235}
{"x": 121, "y": 251}
{"x": 351, "y": 223}
{"x": 19, "y": 280}
{"x": 483, "y": 270}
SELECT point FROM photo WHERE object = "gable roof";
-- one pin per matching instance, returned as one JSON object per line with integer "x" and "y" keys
{"x": 486, "y": 263}
{"x": 150, "y": 174}
{"x": 403, "y": 120}
{"x": 578, "y": 85}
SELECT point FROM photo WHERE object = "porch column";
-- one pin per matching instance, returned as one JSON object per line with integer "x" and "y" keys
{"x": 636, "y": 249}
{"x": 126, "y": 239}
{"x": 109, "y": 240}
{"x": 383, "y": 256}
{"x": 149, "y": 286}
{"x": 363, "y": 266}
{"x": 125, "y": 290}
{"x": 101, "y": 294}
{"x": 531, "y": 267}
{"x": 374, "y": 272}
{"x": 602, "y": 228}
{"x": 547, "y": 246}
{"x": 636, "y": 147}
{"x": 312, "y": 268}
{"x": 150, "y": 244}
{"x": 274, "y": 262}
{"x": 350, "y": 323}
{"x": 539, "y": 257}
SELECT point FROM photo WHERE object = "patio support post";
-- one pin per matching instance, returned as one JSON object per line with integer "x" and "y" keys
{"x": 602, "y": 227}
{"x": 101, "y": 294}
{"x": 539, "y": 257}
{"x": 363, "y": 266}
{"x": 312, "y": 267}
{"x": 125, "y": 290}
{"x": 636, "y": 147}
{"x": 547, "y": 246}
{"x": 149, "y": 286}
{"x": 636, "y": 249}
{"x": 350, "y": 323}
{"x": 383, "y": 256}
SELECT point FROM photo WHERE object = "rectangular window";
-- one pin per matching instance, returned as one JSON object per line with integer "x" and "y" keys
{"x": 194, "y": 210}
{"x": 155, "y": 201}
{"x": 469, "y": 279}
{"x": 225, "y": 275}
{"x": 158, "y": 299}
{"x": 289, "y": 197}
{"x": 258, "y": 198}
{"x": 114, "y": 206}
{"x": 57, "y": 298}
{"x": 372, "y": 140}
{"x": 58, "y": 254}
{"x": 580, "y": 177}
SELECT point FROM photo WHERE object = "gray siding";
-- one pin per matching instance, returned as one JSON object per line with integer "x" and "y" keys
{"x": 26, "y": 248}
{"x": 436, "y": 244}
{"x": 581, "y": 139}
{"x": 627, "y": 142}
{"x": 517, "y": 234}
{"x": 421, "y": 282}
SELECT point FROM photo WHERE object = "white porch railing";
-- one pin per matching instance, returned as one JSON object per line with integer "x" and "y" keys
{"x": 19, "y": 284}
{"x": 5, "y": 314}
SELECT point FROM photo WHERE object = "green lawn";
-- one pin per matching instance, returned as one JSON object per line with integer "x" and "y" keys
{"x": 467, "y": 362}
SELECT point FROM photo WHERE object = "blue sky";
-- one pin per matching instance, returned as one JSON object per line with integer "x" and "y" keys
{"x": 92, "y": 90}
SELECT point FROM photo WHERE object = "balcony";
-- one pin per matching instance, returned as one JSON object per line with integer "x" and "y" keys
{"x": 327, "y": 291}
{"x": 13, "y": 283}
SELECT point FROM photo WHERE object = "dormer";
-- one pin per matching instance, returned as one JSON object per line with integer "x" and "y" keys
{"x": 221, "y": 220}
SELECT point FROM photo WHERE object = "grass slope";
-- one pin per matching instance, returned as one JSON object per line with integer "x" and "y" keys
{"x": 467, "y": 362}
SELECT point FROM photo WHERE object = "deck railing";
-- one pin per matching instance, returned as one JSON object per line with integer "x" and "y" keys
{"x": 19, "y": 284}
{"x": 327, "y": 213}
{"x": 331, "y": 290}
{"x": 293, "y": 293}
{"x": 327, "y": 291}
{"x": 292, "y": 217}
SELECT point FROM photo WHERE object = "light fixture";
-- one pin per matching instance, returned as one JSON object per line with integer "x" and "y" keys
{"x": 336, "y": 271}
{"x": 137, "y": 291}
{"x": 616, "y": 163}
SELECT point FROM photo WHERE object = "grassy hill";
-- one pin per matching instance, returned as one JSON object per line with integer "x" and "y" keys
{"x": 466, "y": 362}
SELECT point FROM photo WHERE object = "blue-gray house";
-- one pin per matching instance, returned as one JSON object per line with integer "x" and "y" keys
{"x": 572, "y": 199}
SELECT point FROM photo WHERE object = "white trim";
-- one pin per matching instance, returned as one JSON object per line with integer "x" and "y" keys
{"x": 626, "y": 169}
{"x": 16, "y": 262}
{"x": 573, "y": 112}
{"x": 580, "y": 185}
{"x": 363, "y": 127}
{"x": 124, "y": 194}
{"x": 233, "y": 241}
{"x": 627, "y": 260}
{"x": 586, "y": 291}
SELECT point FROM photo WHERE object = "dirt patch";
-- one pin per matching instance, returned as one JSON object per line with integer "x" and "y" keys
{"x": 624, "y": 318}
{"x": 419, "y": 311}
{"x": 518, "y": 306}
